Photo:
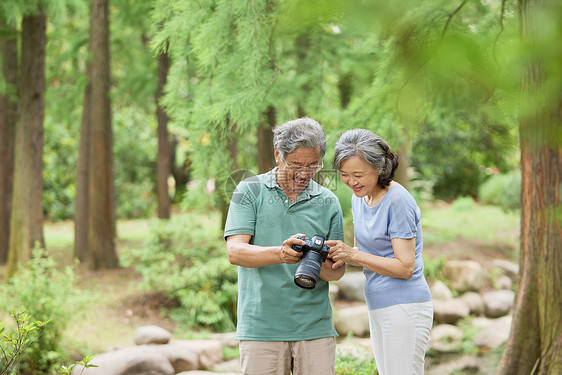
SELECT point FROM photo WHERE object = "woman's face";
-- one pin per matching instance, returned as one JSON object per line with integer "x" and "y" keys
{"x": 359, "y": 176}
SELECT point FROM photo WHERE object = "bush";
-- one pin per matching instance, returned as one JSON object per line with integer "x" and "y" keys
{"x": 14, "y": 342}
{"x": 432, "y": 267}
{"x": 354, "y": 360}
{"x": 185, "y": 259}
{"x": 49, "y": 295}
{"x": 463, "y": 204}
{"x": 503, "y": 190}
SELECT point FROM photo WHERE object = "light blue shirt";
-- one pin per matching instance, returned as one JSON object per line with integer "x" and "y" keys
{"x": 395, "y": 216}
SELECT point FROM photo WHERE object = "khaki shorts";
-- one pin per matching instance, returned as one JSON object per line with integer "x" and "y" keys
{"x": 308, "y": 357}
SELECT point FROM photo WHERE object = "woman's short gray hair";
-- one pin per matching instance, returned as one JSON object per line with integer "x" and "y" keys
{"x": 370, "y": 147}
{"x": 302, "y": 132}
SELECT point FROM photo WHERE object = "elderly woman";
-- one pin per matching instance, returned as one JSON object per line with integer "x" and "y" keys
{"x": 388, "y": 245}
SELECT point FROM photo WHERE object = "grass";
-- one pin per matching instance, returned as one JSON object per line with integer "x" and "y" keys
{"x": 476, "y": 224}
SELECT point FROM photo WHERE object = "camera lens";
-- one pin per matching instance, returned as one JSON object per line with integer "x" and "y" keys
{"x": 305, "y": 282}
{"x": 308, "y": 270}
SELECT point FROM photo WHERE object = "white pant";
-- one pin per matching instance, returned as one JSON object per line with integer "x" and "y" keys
{"x": 399, "y": 335}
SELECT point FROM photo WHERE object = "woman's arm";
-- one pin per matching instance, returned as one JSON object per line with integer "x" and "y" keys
{"x": 401, "y": 266}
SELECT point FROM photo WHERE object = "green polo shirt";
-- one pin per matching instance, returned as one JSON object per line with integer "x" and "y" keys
{"x": 270, "y": 306}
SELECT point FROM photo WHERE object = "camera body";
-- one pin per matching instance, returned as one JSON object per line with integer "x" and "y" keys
{"x": 315, "y": 253}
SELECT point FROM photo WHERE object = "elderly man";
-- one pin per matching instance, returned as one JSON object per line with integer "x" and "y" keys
{"x": 283, "y": 327}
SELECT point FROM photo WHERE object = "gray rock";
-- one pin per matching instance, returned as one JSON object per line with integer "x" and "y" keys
{"x": 357, "y": 348}
{"x": 180, "y": 357}
{"x": 136, "y": 360}
{"x": 504, "y": 282}
{"x": 474, "y": 302}
{"x": 498, "y": 303}
{"x": 209, "y": 351}
{"x": 464, "y": 275}
{"x": 494, "y": 334}
{"x": 200, "y": 372}
{"x": 227, "y": 339}
{"x": 465, "y": 364}
{"x": 151, "y": 335}
{"x": 446, "y": 338}
{"x": 351, "y": 286}
{"x": 440, "y": 291}
{"x": 450, "y": 311}
{"x": 353, "y": 319}
{"x": 232, "y": 366}
{"x": 511, "y": 269}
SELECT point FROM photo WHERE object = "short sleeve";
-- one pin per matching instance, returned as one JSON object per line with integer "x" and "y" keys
{"x": 241, "y": 218}
{"x": 402, "y": 216}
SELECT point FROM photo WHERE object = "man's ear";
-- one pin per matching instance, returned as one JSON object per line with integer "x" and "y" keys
{"x": 277, "y": 156}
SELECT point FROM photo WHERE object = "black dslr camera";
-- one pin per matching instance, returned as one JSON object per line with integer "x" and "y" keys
{"x": 314, "y": 254}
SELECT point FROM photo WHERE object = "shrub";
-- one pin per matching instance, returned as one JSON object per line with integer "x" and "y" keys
{"x": 432, "y": 267}
{"x": 354, "y": 360}
{"x": 463, "y": 204}
{"x": 14, "y": 342}
{"x": 503, "y": 190}
{"x": 49, "y": 295}
{"x": 185, "y": 259}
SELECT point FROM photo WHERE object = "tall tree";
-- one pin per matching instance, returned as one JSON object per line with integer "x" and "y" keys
{"x": 163, "y": 160}
{"x": 8, "y": 119}
{"x": 266, "y": 159}
{"x": 82, "y": 178}
{"x": 535, "y": 342}
{"x": 101, "y": 205}
{"x": 26, "y": 223}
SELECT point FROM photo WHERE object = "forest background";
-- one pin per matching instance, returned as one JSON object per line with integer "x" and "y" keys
{"x": 124, "y": 109}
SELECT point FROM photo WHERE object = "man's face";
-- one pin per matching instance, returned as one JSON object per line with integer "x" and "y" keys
{"x": 297, "y": 169}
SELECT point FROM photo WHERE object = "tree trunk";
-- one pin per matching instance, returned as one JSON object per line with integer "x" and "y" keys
{"x": 535, "y": 342}
{"x": 266, "y": 159}
{"x": 163, "y": 169}
{"x": 180, "y": 173}
{"x": 401, "y": 175}
{"x": 8, "y": 119}
{"x": 82, "y": 181}
{"x": 232, "y": 147}
{"x": 26, "y": 222}
{"x": 101, "y": 210}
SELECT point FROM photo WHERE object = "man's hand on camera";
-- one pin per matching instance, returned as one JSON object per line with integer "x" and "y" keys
{"x": 286, "y": 252}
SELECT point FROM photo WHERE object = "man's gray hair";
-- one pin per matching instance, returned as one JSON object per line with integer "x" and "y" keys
{"x": 303, "y": 132}
{"x": 370, "y": 147}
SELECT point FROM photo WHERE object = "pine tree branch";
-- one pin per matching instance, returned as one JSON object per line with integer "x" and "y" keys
{"x": 450, "y": 17}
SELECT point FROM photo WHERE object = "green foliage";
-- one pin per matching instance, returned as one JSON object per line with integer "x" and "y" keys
{"x": 472, "y": 222}
{"x": 354, "y": 360}
{"x": 348, "y": 365}
{"x": 59, "y": 173}
{"x": 85, "y": 363}
{"x": 503, "y": 190}
{"x": 135, "y": 151}
{"x": 14, "y": 342}
{"x": 185, "y": 259}
{"x": 49, "y": 295}
{"x": 432, "y": 267}
{"x": 463, "y": 204}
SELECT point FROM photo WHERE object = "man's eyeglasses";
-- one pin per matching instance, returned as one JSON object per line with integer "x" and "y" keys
{"x": 300, "y": 168}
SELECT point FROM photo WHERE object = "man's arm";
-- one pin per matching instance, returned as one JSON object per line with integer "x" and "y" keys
{"x": 242, "y": 253}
